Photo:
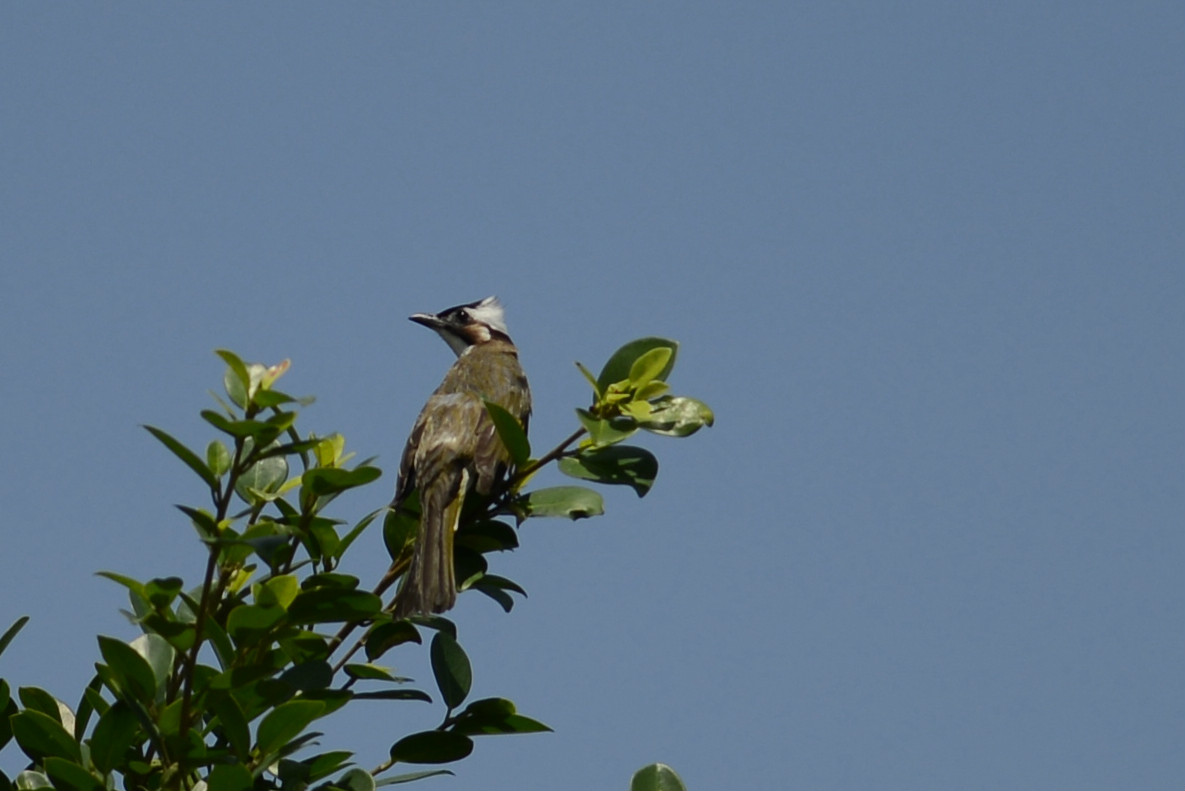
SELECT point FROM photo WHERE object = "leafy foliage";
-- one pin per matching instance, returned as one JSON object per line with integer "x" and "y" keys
{"x": 229, "y": 677}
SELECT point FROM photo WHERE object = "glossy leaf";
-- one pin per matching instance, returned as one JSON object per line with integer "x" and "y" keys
{"x": 606, "y": 431}
{"x": 657, "y": 777}
{"x": 284, "y": 723}
{"x": 10, "y": 633}
{"x": 159, "y": 655}
{"x": 68, "y": 774}
{"x": 114, "y": 733}
{"x": 677, "y": 416}
{"x": 370, "y": 672}
{"x": 618, "y": 464}
{"x": 431, "y": 747}
{"x": 450, "y": 665}
{"x": 573, "y": 502}
{"x": 40, "y": 736}
{"x": 236, "y": 380}
{"x": 511, "y": 432}
{"x": 491, "y": 716}
{"x": 130, "y": 671}
{"x": 247, "y": 623}
{"x": 622, "y": 361}
{"x": 186, "y": 455}
{"x": 648, "y": 366}
{"x": 161, "y": 591}
{"x": 265, "y": 476}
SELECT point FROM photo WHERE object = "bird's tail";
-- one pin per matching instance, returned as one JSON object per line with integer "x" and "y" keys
{"x": 431, "y": 585}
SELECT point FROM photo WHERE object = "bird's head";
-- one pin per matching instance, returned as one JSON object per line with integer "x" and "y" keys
{"x": 467, "y": 325}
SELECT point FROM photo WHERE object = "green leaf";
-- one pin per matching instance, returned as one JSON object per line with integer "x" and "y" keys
{"x": 410, "y": 777}
{"x": 619, "y": 464}
{"x": 10, "y": 633}
{"x": 657, "y": 777}
{"x": 217, "y": 458}
{"x": 373, "y": 673}
{"x": 114, "y": 734}
{"x": 326, "y": 605}
{"x": 356, "y": 531}
{"x": 284, "y": 723}
{"x": 511, "y": 432}
{"x": 620, "y": 364}
{"x": 431, "y": 747}
{"x": 130, "y": 671}
{"x": 237, "y": 380}
{"x": 489, "y": 536}
{"x": 399, "y": 531}
{"x": 159, "y": 655}
{"x": 186, "y": 455}
{"x": 232, "y": 723}
{"x": 573, "y": 502}
{"x": 677, "y": 416}
{"x": 394, "y": 694}
{"x": 450, "y": 665}
{"x": 495, "y": 587}
{"x": 230, "y": 777}
{"x": 647, "y": 367}
{"x": 161, "y": 591}
{"x": 264, "y": 476}
{"x": 68, "y": 774}
{"x": 248, "y": 623}
{"x": 602, "y": 431}
{"x": 494, "y": 716}
{"x": 592, "y": 380}
{"x": 41, "y": 736}
{"x": 386, "y": 636}
{"x": 279, "y": 591}
{"x": 322, "y": 481}
{"x": 38, "y": 699}
{"x": 356, "y": 779}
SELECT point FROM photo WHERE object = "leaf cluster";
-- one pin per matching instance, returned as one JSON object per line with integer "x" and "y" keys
{"x": 228, "y": 678}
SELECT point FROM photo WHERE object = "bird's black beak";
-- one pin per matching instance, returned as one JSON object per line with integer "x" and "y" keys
{"x": 427, "y": 319}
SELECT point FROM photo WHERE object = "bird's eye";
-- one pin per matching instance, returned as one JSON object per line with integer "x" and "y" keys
{"x": 463, "y": 317}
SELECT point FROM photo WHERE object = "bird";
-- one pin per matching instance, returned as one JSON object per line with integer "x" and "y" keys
{"x": 454, "y": 447}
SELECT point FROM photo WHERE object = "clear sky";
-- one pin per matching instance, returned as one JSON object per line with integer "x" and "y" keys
{"x": 926, "y": 261}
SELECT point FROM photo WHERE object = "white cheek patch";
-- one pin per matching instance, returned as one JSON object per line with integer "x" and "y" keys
{"x": 489, "y": 312}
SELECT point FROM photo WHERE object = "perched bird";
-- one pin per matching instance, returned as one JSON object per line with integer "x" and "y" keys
{"x": 454, "y": 447}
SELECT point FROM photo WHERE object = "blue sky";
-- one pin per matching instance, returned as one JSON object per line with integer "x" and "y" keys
{"x": 925, "y": 261}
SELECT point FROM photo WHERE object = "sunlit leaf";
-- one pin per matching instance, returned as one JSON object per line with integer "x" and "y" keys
{"x": 621, "y": 362}
{"x": 648, "y": 366}
{"x": 657, "y": 777}
{"x": 677, "y": 416}
{"x": 606, "y": 431}
{"x": 573, "y": 502}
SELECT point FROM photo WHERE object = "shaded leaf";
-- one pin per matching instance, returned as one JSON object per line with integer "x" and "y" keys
{"x": 431, "y": 747}
{"x": 230, "y": 777}
{"x": 511, "y": 432}
{"x": 356, "y": 779}
{"x": 325, "y": 605}
{"x": 394, "y": 694}
{"x": 489, "y": 536}
{"x": 491, "y": 716}
{"x": 159, "y": 655}
{"x": 236, "y": 380}
{"x": 410, "y": 777}
{"x": 386, "y": 636}
{"x": 373, "y": 673}
{"x": 450, "y": 665}
{"x": 114, "y": 733}
{"x": 573, "y": 502}
{"x": 68, "y": 774}
{"x": 618, "y": 464}
{"x": 232, "y": 723}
